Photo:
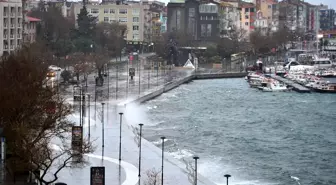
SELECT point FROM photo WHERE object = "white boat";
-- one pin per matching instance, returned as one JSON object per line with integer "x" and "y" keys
{"x": 273, "y": 86}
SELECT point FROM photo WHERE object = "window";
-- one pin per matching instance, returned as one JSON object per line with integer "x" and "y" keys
{"x": 191, "y": 12}
{"x": 251, "y": 9}
{"x": 135, "y": 37}
{"x": 106, "y": 10}
{"x": 94, "y": 10}
{"x": 203, "y": 30}
{"x": 123, "y": 19}
{"x": 122, "y": 11}
{"x": 246, "y": 16}
{"x": 112, "y": 11}
{"x": 106, "y": 19}
{"x": 209, "y": 30}
{"x": 135, "y": 11}
{"x": 269, "y": 6}
{"x": 135, "y": 27}
{"x": 135, "y": 19}
{"x": 246, "y": 9}
{"x": 213, "y": 9}
{"x": 246, "y": 23}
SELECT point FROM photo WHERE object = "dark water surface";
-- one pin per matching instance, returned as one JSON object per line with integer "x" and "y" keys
{"x": 257, "y": 137}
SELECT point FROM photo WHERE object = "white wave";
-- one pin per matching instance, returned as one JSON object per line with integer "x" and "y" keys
{"x": 160, "y": 141}
{"x": 151, "y": 107}
{"x": 179, "y": 154}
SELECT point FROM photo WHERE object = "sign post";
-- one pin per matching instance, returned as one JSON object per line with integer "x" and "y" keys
{"x": 77, "y": 140}
{"x": 131, "y": 72}
{"x": 97, "y": 175}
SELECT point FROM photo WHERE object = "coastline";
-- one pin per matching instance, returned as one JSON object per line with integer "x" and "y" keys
{"x": 146, "y": 96}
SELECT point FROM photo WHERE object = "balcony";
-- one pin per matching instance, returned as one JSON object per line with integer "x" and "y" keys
{"x": 5, "y": 25}
{"x": 5, "y": 46}
{"x": 19, "y": 36}
{"x": 12, "y": 26}
{"x": 12, "y": 36}
{"x": 19, "y": 25}
{"x": 5, "y": 36}
{"x": 12, "y": 14}
{"x": 5, "y": 14}
{"x": 12, "y": 47}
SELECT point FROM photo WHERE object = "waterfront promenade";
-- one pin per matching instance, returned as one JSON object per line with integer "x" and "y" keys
{"x": 118, "y": 92}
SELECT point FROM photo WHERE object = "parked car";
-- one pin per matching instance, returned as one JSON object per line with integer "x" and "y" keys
{"x": 54, "y": 68}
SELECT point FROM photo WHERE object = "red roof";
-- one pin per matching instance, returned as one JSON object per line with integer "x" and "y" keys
{"x": 33, "y": 19}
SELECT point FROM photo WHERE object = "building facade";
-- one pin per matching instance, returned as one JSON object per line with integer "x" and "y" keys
{"x": 229, "y": 17}
{"x": 130, "y": 15}
{"x": 10, "y": 26}
{"x": 327, "y": 19}
{"x": 261, "y": 22}
{"x": 248, "y": 12}
{"x": 30, "y": 25}
{"x": 208, "y": 21}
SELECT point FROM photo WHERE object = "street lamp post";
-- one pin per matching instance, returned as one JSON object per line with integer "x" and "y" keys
{"x": 117, "y": 81}
{"x": 149, "y": 79}
{"x": 227, "y": 178}
{"x": 195, "y": 158}
{"x": 162, "y": 138}
{"x": 95, "y": 115}
{"x": 80, "y": 106}
{"x": 140, "y": 135}
{"x": 121, "y": 114}
{"x": 103, "y": 132}
{"x": 139, "y": 76}
{"x": 89, "y": 117}
{"x": 3, "y": 156}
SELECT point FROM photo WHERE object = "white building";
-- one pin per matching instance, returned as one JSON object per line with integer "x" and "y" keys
{"x": 261, "y": 22}
{"x": 10, "y": 26}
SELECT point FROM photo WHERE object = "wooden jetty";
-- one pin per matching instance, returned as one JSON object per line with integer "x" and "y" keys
{"x": 297, "y": 87}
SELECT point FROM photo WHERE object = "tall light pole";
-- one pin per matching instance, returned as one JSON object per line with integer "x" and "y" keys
{"x": 89, "y": 117}
{"x": 103, "y": 131}
{"x": 121, "y": 114}
{"x": 162, "y": 159}
{"x": 227, "y": 176}
{"x": 95, "y": 106}
{"x": 195, "y": 158}
{"x": 117, "y": 81}
{"x": 139, "y": 75}
{"x": 80, "y": 106}
{"x": 140, "y": 135}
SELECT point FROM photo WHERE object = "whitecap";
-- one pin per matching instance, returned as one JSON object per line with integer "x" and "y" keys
{"x": 180, "y": 154}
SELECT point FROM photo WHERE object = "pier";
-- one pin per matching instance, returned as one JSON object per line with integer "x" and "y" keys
{"x": 297, "y": 87}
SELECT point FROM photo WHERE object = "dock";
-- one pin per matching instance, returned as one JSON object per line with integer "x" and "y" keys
{"x": 297, "y": 87}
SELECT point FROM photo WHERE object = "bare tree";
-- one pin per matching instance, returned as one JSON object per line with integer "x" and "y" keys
{"x": 153, "y": 177}
{"x": 34, "y": 119}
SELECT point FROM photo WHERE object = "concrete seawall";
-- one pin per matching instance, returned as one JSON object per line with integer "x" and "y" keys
{"x": 171, "y": 85}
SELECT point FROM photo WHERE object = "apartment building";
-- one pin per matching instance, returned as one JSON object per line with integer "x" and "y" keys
{"x": 152, "y": 19}
{"x": 229, "y": 17}
{"x": 261, "y": 22}
{"x": 130, "y": 15}
{"x": 248, "y": 13}
{"x": 10, "y": 26}
{"x": 30, "y": 25}
{"x": 327, "y": 19}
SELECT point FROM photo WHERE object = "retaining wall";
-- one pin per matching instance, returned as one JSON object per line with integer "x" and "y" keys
{"x": 171, "y": 85}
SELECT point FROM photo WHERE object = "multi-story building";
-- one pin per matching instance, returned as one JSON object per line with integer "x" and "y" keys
{"x": 208, "y": 22}
{"x": 10, "y": 26}
{"x": 152, "y": 19}
{"x": 261, "y": 22}
{"x": 199, "y": 19}
{"x": 30, "y": 26}
{"x": 327, "y": 19}
{"x": 248, "y": 11}
{"x": 229, "y": 17}
{"x": 130, "y": 15}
